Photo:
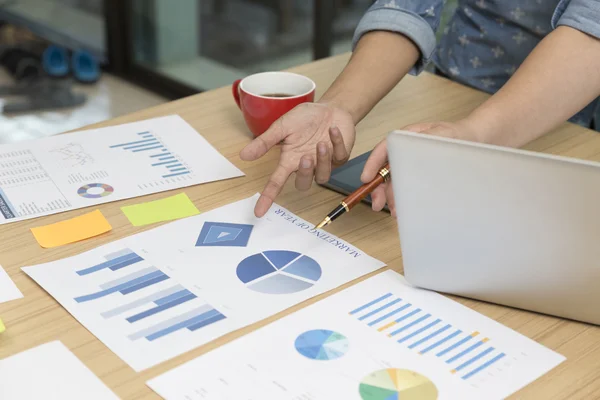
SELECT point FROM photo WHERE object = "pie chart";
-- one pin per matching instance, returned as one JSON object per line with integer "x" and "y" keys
{"x": 278, "y": 272}
{"x": 397, "y": 384}
{"x": 321, "y": 344}
{"x": 95, "y": 190}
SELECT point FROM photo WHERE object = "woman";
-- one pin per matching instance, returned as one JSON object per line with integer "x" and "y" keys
{"x": 539, "y": 58}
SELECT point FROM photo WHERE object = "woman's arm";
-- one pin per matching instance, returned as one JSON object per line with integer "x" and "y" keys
{"x": 558, "y": 79}
{"x": 381, "y": 59}
{"x": 394, "y": 37}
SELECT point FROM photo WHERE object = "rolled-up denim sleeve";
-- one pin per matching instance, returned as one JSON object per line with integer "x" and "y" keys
{"x": 583, "y": 15}
{"x": 416, "y": 19}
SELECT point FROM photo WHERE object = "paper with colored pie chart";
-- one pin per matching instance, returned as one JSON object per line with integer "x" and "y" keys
{"x": 155, "y": 295}
{"x": 82, "y": 169}
{"x": 254, "y": 267}
{"x": 380, "y": 339}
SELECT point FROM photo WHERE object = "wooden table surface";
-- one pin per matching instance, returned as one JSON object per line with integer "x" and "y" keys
{"x": 38, "y": 318}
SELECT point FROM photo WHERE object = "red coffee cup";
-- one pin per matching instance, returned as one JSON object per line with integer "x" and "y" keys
{"x": 266, "y": 96}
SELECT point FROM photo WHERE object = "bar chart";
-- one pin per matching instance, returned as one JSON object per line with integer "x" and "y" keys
{"x": 465, "y": 353}
{"x": 159, "y": 156}
{"x": 334, "y": 349}
{"x": 158, "y": 302}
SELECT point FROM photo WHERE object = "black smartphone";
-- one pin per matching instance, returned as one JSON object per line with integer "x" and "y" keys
{"x": 346, "y": 179}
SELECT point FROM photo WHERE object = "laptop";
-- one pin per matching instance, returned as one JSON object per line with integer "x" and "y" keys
{"x": 502, "y": 225}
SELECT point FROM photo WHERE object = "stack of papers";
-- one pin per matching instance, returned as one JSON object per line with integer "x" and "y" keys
{"x": 378, "y": 340}
{"x": 157, "y": 294}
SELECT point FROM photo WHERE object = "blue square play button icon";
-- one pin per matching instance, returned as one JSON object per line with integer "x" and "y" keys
{"x": 224, "y": 234}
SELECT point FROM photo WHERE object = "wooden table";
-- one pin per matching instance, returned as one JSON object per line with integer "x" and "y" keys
{"x": 37, "y": 318}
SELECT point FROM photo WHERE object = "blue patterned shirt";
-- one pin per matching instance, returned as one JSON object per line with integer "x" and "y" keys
{"x": 485, "y": 41}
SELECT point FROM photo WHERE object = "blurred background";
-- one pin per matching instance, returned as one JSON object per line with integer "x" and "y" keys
{"x": 65, "y": 64}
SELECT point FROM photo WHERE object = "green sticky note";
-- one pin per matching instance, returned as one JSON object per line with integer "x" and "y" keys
{"x": 2, "y": 328}
{"x": 174, "y": 207}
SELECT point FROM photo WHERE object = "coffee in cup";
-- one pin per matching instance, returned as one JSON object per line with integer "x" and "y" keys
{"x": 266, "y": 96}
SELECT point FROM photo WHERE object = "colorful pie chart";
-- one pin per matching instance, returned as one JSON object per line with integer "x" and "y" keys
{"x": 397, "y": 384}
{"x": 95, "y": 190}
{"x": 321, "y": 344}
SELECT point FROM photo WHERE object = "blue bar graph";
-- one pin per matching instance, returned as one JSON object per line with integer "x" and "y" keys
{"x": 364, "y": 307}
{"x": 145, "y": 284}
{"x": 410, "y": 324}
{"x": 137, "y": 296}
{"x": 419, "y": 331}
{"x": 137, "y": 142}
{"x": 117, "y": 254}
{"x": 386, "y": 316}
{"x": 466, "y": 351}
{"x": 378, "y": 310}
{"x": 121, "y": 287}
{"x": 160, "y": 308}
{"x": 425, "y": 333}
{"x": 177, "y": 174}
{"x": 151, "y": 142}
{"x": 484, "y": 366}
{"x": 429, "y": 337}
{"x": 128, "y": 277}
{"x": 172, "y": 297}
{"x": 206, "y": 322}
{"x": 165, "y": 163}
{"x": 147, "y": 148}
{"x": 160, "y": 156}
{"x": 205, "y": 318}
{"x": 126, "y": 263}
{"x": 114, "y": 264}
{"x": 455, "y": 345}
{"x": 143, "y": 133}
{"x": 405, "y": 316}
{"x": 472, "y": 360}
{"x": 152, "y": 298}
{"x": 440, "y": 342}
{"x": 170, "y": 322}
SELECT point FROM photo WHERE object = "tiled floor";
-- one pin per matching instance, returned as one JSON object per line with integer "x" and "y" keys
{"x": 109, "y": 98}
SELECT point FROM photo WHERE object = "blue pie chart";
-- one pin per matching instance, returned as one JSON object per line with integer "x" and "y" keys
{"x": 322, "y": 344}
{"x": 278, "y": 272}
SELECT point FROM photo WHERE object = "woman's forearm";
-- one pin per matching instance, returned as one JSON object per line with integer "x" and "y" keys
{"x": 381, "y": 59}
{"x": 558, "y": 79}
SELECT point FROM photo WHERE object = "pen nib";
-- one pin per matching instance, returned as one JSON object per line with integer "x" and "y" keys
{"x": 323, "y": 223}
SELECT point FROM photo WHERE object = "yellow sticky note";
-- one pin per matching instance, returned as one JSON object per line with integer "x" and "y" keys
{"x": 2, "y": 328}
{"x": 174, "y": 207}
{"x": 71, "y": 230}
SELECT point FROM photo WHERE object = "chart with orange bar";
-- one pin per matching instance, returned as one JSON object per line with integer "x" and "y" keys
{"x": 381, "y": 339}
{"x": 465, "y": 353}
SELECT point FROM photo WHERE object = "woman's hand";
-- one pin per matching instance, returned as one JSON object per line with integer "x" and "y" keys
{"x": 314, "y": 138}
{"x": 462, "y": 129}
